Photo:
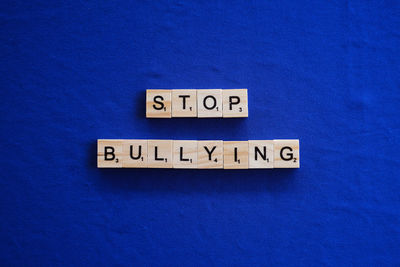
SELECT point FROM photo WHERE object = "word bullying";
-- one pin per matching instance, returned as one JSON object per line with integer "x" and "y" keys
{"x": 188, "y": 154}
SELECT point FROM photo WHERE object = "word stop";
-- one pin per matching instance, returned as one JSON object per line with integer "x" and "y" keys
{"x": 204, "y": 103}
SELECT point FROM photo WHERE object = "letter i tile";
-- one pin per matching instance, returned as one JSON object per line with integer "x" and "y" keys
{"x": 236, "y": 154}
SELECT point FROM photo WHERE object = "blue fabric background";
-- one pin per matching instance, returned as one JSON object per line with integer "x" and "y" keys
{"x": 324, "y": 72}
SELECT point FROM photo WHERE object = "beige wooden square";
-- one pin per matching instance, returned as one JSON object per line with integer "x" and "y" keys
{"x": 286, "y": 153}
{"x": 109, "y": 153}
{"x": 261, "y": 154}
{"x": 159, "y": 153}
{"x": 185, "y": 154}
{"x": 236, "y": 154}
{"x": 158, "y": 103}
{"x": 184, "y": 103}
{"x": 209, "y": 103}
{"x": 134, "y": 153}
{"x": 234, "y": 103}
{"x": 210, "y": 154}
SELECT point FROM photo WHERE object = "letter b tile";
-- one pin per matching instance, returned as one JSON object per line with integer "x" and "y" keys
{"x": 109, "y": 153}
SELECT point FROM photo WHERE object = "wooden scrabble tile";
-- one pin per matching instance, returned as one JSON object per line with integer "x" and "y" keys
{"x": 134, "y": 153}
{"x": 234, "y": 103}
{"x": 159, "y": 153}
{"x": 158, "y": 103}
{"x": 236, "y": 154}
{"x": 286, "y": 154}
{"x": 184, "y": 103}
{"x": 210, "y": 154}
{"x": 261, "y": 154}
{"x": 185, "y": 154}
{"x": 209, "y": 103}
{"x": 109, "y": 153}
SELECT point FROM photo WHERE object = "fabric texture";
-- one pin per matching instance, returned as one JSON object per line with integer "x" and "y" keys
{"x": 324, "y": 72}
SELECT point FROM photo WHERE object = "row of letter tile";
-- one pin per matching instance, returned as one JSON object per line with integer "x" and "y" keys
{"x": 188, "y": 154}
{"x": 203, "y": 103}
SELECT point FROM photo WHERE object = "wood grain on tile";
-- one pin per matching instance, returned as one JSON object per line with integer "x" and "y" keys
{"x": 158, "y": 103}
{"x": 185, "y": 154}
{"x": 134, "y": 153}
{"x": 109, "y": 153}
{"x": 210, "y": 154}
{"x": 234, "y": 103}
{"x": 209, "y": 103}
{"x": 236, "y": 154}
{"x": 286, "y": 153}
{"x": 184, "y": 103}
{"x": 159, "y": 153}
{"x": 261, "y": 154}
